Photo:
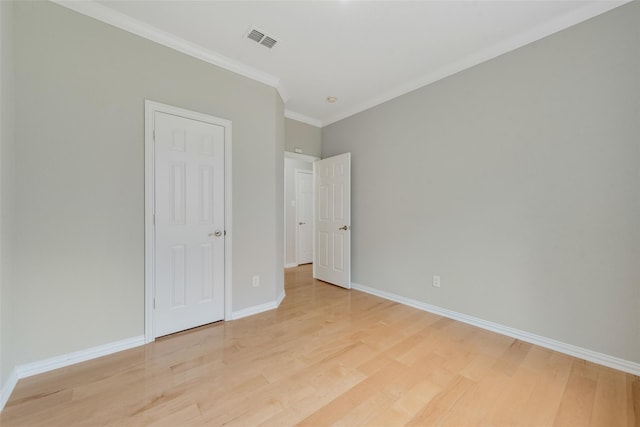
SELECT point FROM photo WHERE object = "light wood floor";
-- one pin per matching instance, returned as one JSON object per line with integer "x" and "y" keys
{"x": 329, "y": 356}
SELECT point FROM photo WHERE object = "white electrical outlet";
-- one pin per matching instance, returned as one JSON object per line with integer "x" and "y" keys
{"x": 256, "y": 281}
{"x": 436, "y": 281}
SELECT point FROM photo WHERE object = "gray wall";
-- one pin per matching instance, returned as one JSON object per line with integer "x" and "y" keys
{"x": 290, "y": 166}
{"x": 7, "y": 183}
{"x": 517, "y": 182}
{"x": 79, "y": 253}
{"x": 303, "y": 136}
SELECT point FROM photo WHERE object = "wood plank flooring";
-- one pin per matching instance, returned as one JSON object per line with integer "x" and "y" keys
{"x": 329, "y": 356}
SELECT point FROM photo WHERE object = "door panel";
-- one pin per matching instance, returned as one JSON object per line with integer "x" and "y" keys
{"x": 304, "y": 217}
{"x": 189, "y": 188}
{"x": 332, "y": 224}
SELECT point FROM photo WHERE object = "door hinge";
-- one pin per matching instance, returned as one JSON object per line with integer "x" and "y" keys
{"x": 225, "y": 232}
{"x": 154, "y": 135}
{"x": 154, "y": 303}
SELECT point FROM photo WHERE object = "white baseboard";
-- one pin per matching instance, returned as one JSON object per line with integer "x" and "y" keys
{"x": 256, "y": 309}
{"x": 46, "y": 365}
{"x": 34, "y": 368}
{"x": 572, "y": 350}
{"x": 291, "y": 265}
{"x": 7, "y": 388}
{"x": 250, "y": 311}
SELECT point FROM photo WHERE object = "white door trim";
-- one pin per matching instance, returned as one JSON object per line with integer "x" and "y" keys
{"x": 151, "y": 107}
{"x": 303, "y": 157}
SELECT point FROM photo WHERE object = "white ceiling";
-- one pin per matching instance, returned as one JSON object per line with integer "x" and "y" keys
{"x": 362, "y": 52}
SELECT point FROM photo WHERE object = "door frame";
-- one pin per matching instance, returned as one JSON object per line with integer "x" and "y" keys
{"x": 151, "y": 107}
{"x": 296, "y": 171}
{"x": 305, "y": 158}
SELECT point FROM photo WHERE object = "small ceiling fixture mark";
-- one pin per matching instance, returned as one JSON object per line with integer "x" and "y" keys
{"x": 331, "y": 99}
{"x": 261, "y": 38}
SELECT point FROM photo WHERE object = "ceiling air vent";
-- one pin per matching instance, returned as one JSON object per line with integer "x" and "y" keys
{"x": 255, "y": 35}
{"x": 268, "y": 42}
{"x": 262, "y": 38}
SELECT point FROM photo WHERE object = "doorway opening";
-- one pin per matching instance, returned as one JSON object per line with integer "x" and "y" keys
{"x": 298, "y": 209}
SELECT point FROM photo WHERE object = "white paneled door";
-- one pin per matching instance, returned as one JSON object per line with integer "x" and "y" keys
{"x": 189, "y": 223}
{"x": 304, "y": 216}
{"x": 332, "y": 223}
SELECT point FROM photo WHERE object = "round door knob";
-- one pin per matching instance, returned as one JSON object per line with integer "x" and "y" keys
{"x": 301, "y": 223}
{"x": 216, "y": 233}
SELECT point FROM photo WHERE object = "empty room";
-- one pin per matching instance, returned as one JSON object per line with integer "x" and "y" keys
{"x": 274, "y": 213}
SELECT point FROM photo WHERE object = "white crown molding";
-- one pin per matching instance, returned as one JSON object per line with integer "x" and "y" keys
{"x": 282, "y": 90}
{"x": 109, "y": 16}
{"x": 560, "y": 23}
{"x": 46, "y": 365}
{"x": 302, "y": 118}
{"x": 119, "y": 20}
{"x": 559, "y": 346}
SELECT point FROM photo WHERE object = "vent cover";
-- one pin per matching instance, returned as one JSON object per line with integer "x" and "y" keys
{"x": 260, "y": 37}
{"x": 255, "y": 35}
{"x": 268, "y": 42}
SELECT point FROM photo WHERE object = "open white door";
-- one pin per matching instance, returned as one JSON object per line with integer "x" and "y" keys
{"x": 332, "y": 220}
{"x": 304, "y": 216}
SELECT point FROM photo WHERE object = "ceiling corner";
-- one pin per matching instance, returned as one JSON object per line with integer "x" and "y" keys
{"x": 302, "y": 118}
